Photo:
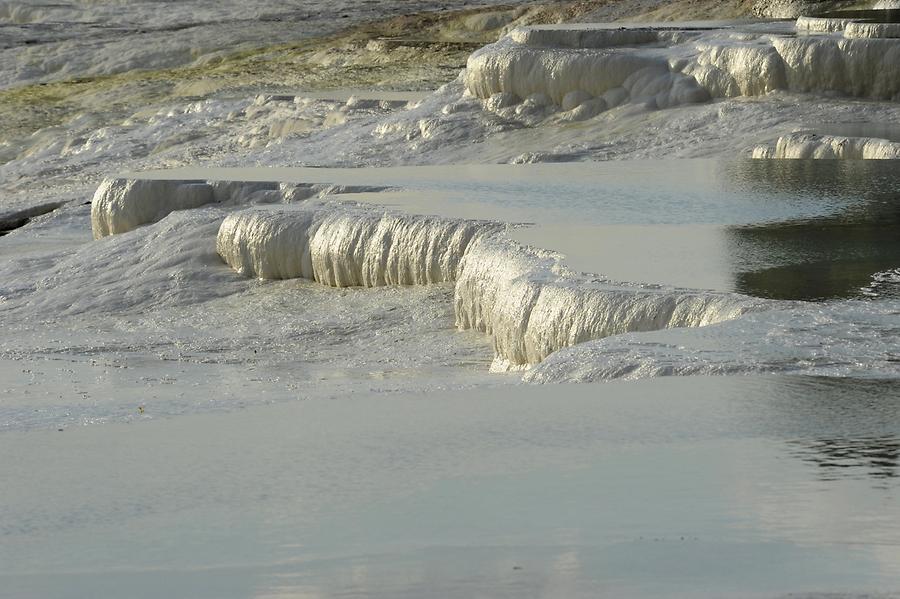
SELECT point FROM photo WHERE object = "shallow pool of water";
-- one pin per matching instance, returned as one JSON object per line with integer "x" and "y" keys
{"x": 777, "y": 229}
{"x": 882, "y": 15}
{"x": 690, "y": 487}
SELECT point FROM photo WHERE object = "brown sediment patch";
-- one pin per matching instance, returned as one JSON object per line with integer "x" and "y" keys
{"x": 411, "y": 52}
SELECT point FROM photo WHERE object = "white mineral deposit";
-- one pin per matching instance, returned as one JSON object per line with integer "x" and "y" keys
{"x": 445, "y": 298}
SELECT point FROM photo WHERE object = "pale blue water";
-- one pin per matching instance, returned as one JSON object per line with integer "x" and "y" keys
{"x": 710, "y": 487}
{"x": 699, "y": 191}
{"x": 283, "y": 440}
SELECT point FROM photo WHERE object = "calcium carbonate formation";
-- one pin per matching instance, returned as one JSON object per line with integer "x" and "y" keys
{"x": 520, "y": 296}
{"x": 120, "y": 205}
{"x": 872, "y": 30}
{"x": 567, "y": 67}
{"x": 814, "y": 146}
{"x": 841, "y": 338}
{"x": 344, "y": 247}
{"x": 532, "y": 307}
{"x": 548, "y": 75}
{"x": 820, "y": 24}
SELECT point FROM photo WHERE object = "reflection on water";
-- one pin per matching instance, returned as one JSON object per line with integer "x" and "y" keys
{"x": 653, "y": 488}
{"x": 811, "y": 408}
{"x": 824, "y": 257}
{"x": 845, "y": 428}
{"x": 873, "y": 457}
{"x": 813, "y": 281}
{"x": 876, "y": 15}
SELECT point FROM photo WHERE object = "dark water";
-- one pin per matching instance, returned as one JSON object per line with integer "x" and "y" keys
{"x": 873, "y": 457}
{"x": 789, "y": 229}
{"x": 885, "y": 15}
{"x": 821, "y": 257}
